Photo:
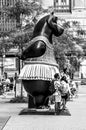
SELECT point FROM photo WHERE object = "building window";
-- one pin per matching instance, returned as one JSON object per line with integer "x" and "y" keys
{"x": 79, "y": 4}
{"x": 6, "y": 24}
{"x": 8, "y": 2}
{"x": 0, "y": 3}
{"x": 62, "y": 5}
{"x": 63, "y": 1}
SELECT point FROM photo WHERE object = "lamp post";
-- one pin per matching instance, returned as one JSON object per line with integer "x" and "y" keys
{"x": 2, "y": 58}
{"x": 3, "y": 40}
{"x": 3, "y": 64}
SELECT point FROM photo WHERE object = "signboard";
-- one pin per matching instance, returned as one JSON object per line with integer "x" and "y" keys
{"x": 9, "y": 63}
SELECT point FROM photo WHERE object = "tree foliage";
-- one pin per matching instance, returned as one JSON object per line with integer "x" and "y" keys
{"x": 67, "y": 47}
{"x": 5, "y": 42}
{"x": 25, "y": 14}
{"x": 22, "y": 8}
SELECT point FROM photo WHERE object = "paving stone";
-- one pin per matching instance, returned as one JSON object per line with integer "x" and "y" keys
{"x": 3, "y": 121}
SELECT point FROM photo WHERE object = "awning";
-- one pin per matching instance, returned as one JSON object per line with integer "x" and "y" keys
{"x": 38, "y": 71}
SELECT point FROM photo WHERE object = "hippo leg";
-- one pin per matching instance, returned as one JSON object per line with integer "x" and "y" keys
{"x": 30, "y": 102}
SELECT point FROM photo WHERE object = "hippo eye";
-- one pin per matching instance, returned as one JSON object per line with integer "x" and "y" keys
{"x": 55, "y": 19}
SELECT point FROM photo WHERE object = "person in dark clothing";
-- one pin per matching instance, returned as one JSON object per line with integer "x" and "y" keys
{"x": 11, "y": 83}
{"x": 65, "y": 90}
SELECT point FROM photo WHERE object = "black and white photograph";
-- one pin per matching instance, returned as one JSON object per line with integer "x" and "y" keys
{"x": 42, "y": 64}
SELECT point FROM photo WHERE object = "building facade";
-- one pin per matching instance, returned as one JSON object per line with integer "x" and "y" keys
{"x": 6, "y": 24}
{"x": 70, "y": 10}
{"x": 8, "y": 64}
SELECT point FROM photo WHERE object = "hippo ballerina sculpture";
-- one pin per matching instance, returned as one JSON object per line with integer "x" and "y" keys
{"x": 40, "y": 64}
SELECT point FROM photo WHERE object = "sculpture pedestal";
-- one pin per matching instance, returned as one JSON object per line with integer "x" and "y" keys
{"x": 34, "y": 111}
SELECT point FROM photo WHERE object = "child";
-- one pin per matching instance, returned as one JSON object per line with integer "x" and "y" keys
{"x": 56, "y": 80}
{"x": 57, "y": 93}
{"x": 73, "y": 88}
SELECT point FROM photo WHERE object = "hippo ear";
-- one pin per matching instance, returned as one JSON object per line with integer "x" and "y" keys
{"x": 50, "y": 16}
{"x": 52, "y": 13}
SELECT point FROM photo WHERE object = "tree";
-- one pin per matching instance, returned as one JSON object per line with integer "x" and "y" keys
{"x": 5, "y": 45}
{"x": 21, "y": 9}
{"x": 25, "y": 13}
{"x": 68, "y": 48}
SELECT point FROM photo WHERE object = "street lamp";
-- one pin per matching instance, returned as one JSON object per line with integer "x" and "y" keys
{"x": 3, "y": 50}
{"x": 3, "y": 63}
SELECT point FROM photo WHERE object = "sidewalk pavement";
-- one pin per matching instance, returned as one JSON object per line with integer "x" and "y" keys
{"x": 51, "y": 122}
{"x": 76, "y": 121}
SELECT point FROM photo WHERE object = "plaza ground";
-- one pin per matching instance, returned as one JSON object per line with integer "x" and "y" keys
{"x": 75, "y": 120}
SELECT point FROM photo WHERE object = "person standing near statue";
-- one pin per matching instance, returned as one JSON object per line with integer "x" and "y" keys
{"x": 65, "y": 90}
{"x": 65, "y": 73}
{"x": 57, "y": 94}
